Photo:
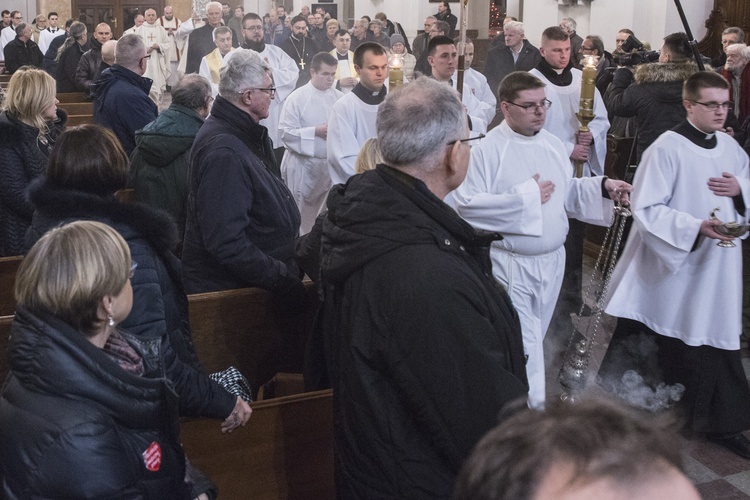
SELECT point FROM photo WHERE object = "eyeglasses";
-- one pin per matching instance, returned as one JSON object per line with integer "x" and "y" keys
{"x": 587, "y": 49}
{"x": 132, "y": 270}
{"x": 531, "y": 108}
{"x": 146, "y": 57}
{"x": 270, "y": 91}
{"x": 253, "y": 28}
{"x": 713, "y": 106}
{"x": 480, "y": 136}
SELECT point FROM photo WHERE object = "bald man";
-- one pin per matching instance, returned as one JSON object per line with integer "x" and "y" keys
{"x": 158, "y": 46}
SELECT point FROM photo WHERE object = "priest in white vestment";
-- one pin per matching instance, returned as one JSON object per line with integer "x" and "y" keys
{"x": 353, "y": 118}
{"x": 285, "y": 74}
{"x": 519, "y": 185}
{"x": 158, "y": 45}
{"x": 673, "y": 282}
{"x": 172, "y": 24}
{"x": 304, "y": 128}
{"x": 212, "y": 63}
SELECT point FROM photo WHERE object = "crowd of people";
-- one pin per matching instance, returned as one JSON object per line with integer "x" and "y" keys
{"x": 443, "y": 227}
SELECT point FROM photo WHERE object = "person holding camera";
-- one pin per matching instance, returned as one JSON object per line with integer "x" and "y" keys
{"x": 652, "y": 92}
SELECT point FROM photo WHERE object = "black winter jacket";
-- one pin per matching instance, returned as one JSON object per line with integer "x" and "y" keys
{"x": 654, "y": 98}
{"x": 424, "y": 347}
{"x": 159, "y": 302}
{"x": 500, "y": 63}
{"x": 67, "y": 66}
{"x": 242, "y": 220}
{"x": 73, "y": 424}
{"x": 18, "y": 53}
{"x": 23, "y": 158}
{"x": 122, "y": 104}
{"x": 87, "y": 70}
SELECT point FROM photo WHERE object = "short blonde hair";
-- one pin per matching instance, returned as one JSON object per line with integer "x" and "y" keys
{"x": 70, "y": 269}
{"x": 368, "y": 157}
{"x": 30, "y": 91}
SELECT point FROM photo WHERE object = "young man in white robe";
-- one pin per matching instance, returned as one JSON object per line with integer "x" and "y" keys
{"x": 304, "y": 128}
{"x": 519, "y": 185}
{"x": 285, "y": 74}
{"x": 158, "y": 46}
{"x": 443, "y": 59}
{"x": 212, "y": 63}
{"x": 50, "y": 33}
{"x": 673, "y": 284}
{"x": 352, "y": 119}
{"x": 563, "y": 90}
{"x": 172, "y": 24}
{"x": 477, "y": 83}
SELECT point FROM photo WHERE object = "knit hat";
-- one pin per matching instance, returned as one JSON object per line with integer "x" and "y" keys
{"x": 396, "y": 38}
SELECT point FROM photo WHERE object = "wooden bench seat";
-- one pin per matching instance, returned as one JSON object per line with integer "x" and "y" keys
{"x": 245, "y": 328}
{"x": 78, "y": 108}
{"x": 74, "y": 120}
{"x": 284, "y": 451}
{"x": 66, "y": 97}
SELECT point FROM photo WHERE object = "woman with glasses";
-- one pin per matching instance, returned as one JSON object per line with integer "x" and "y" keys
{"x": 29, "y": 125}
{"x": 85, "y": 411}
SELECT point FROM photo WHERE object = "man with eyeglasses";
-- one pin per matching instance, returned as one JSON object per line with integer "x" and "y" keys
{"x": 520, "y": 185}
{"x": 241, "y": 218}
{"x": 419, "y": 44}
{"x": 285, "y": 75}
{"x": 201, "y": 40}
{"x": 673, "y": 286}
{"x": 121, "y": 100}
{"x": 211, "y": 64}
{"x": 423, "y": 347}
{"x": 8, "y": 34}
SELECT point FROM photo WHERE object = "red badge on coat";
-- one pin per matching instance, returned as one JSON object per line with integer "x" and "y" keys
{"x": 152, "y": 457}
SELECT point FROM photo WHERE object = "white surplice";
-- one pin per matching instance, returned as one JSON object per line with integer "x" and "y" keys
{"x": 46, "y": 36}
{"x": 500, "y": 194}
{"x": 305, "y": 164}
{"x": 158, "y": 66}
{"x": 350, "y": 123}
{"x": 661, "y": 280}
{"x": 562, "y": 122}
{"x": 285, "y": 74}
{"x": 476, "y": 82}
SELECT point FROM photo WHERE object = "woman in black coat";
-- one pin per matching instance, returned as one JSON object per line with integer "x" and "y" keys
{"x": 88, "y": 410}
{"x": 29, "y": 125}
{"x": 68, "y": 57}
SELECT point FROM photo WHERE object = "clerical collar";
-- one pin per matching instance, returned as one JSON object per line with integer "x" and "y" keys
{"x": 561, "y": 80}
{"x": 256, "y": 46}
{"x": 368, "y": 96}
{"x": 695, "y": 135}
{"x": 344, "y": 57}
{"x": 295, "y": 39}
{"x": 53, "y": 30}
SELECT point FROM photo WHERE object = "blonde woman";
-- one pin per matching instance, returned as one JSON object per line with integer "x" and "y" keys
{"x": 88, "y": 410}
{"x": 368, "y": 157}
{"x": 29, "y": 125}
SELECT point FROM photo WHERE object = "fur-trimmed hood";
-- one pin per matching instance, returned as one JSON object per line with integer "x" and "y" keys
{"x": 14, "y": 132}
{"x": 665, "y": 72}
{"x": 55, "y": 206}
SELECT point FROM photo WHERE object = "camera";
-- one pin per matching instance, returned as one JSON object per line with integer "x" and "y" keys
{"x": 634, "y": 53}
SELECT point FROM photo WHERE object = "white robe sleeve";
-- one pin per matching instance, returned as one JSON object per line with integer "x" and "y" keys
{"x": 584, "y": 201}
{"x": 285, "y": 74}
{"x": 668, "y": 232}
{"x": 342, "y": 144}
{"x": 515, "y": 211}
{"x": 296, "y": 138}
{"x": 599, "y": 127}
{"x": 184, "y": 30}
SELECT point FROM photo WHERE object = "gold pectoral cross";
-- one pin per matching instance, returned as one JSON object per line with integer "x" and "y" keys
{"x": 301, "y": 63}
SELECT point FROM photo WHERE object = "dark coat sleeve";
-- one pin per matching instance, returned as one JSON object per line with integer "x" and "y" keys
{"x": 86, "y": 70}
{"x": 620, "y": 94}
{"x": 15, "y": 179}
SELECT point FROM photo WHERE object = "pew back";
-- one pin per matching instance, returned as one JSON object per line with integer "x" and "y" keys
{"x": 248, "y": 329}
{"x": 285, "y": 451}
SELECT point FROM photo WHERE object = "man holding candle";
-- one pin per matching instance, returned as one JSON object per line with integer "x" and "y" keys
{"x": 564, "y": 89}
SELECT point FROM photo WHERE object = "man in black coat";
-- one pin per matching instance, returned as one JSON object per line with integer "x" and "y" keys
{"x": 121, "y": 100}
{"x": 423, "y": 346}
{"x": 22, "y": 51}
{"x": 517, "y": 54}
{"x": 444, "y": 14}
{"x": 242, "y": 220}
{"x": 201, "y": 41}
{"x": 301, "y": 48}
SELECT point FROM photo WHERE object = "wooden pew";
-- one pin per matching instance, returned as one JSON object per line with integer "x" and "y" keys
{"x": 74, "y": 120}
{"x": 285, "y": 451}
{"x": 245, "y": 328}
{"x": 66, "y": 97}
{"x": 5, "y": 322}
{"x": 8, "y": 269}
{"x": 78, "y": 108}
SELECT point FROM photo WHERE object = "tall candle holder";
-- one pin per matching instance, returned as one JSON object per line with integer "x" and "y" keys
{"x": 588, "y": 90}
